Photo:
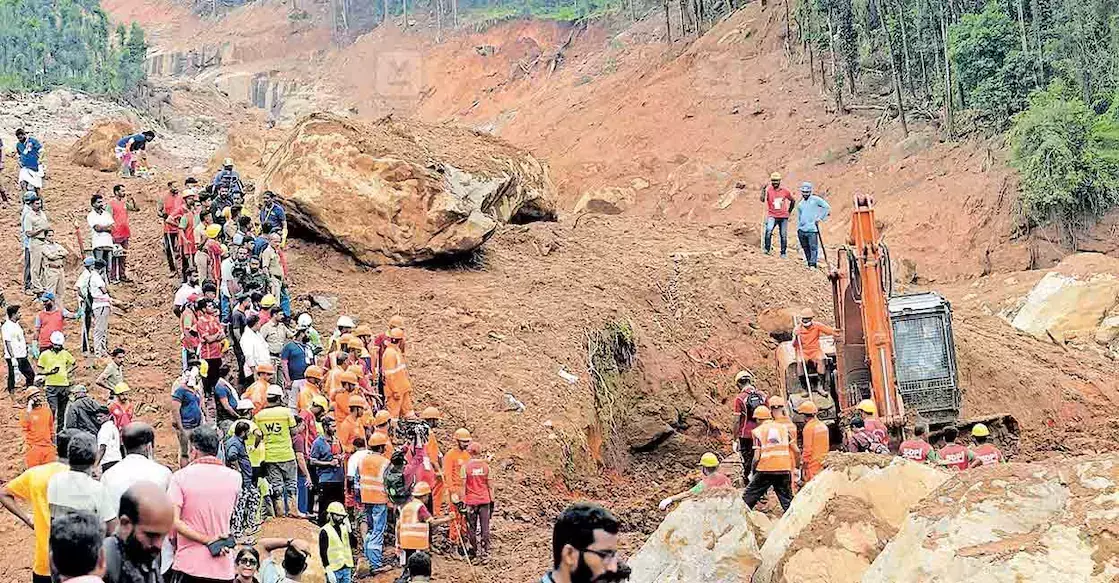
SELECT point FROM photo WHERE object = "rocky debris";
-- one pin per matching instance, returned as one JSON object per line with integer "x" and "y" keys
{"x": 713, "y": 538}
{"x": 840, "y": 520}
{"x": 1046, "y": 521}
{"x": 778, "y": 322}
{"x": 403, "y": 192}
{"x": 1073, "y": 301}
{"x": 610, "y": 200}
{"x": 248, "y": 147}
{"x": 95, "y": 148}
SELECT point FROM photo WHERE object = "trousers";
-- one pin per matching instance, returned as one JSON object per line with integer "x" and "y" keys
{"x": 781, "y": 482}
{"x": 782, "y": 225}
{"x": 58, "y": 398}
{"x": 810, "y": 244}
{"x": 101, "y": 331}
{"x": 21, "y": 366}
{"x": 478, "y": 528}
{"x": 35, "y": 265}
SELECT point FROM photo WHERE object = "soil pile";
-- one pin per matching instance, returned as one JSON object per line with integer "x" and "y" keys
{"x": 95, "y": 148}
{"x": 402, "y": 193}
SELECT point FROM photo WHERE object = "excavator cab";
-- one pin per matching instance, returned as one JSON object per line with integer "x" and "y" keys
{"x": 803, "y": 382}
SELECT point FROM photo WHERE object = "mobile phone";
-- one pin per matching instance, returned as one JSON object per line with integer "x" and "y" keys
{"x": 222, "y": 543}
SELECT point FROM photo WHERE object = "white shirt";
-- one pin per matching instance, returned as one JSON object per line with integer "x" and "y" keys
{"x": 98, "y": 290}
{"x": 255, "y": 349}
{"x": 226, "y": 274}
{"x": 109, "y": 436}
{"x": 79, "y": 491}
{"x": 354, "y": 464}
{"x": 13, "y": 339}
{"x": 184, "y": 292}
{"x": 132, "y": 469}
{"x": 100, "y": 219}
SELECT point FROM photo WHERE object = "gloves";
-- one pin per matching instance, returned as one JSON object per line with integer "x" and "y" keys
{"x": 665, "y": 504}
{"x": 330, "y": 578}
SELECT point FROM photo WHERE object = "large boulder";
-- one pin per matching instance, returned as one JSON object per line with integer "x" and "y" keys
{"x": 713, "y": 538}
{"x": 95, "y": 148}
{"x": 842, "y": 519}
{"x": 1072, "y": 301}
{"x": 1049, "y": 521}
{"x": 402, "y": 192}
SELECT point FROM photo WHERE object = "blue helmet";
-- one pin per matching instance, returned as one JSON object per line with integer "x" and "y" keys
{"x": 806, "y": 187}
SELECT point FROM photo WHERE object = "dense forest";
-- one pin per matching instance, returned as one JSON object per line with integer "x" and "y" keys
{"x": 51, "y": 43}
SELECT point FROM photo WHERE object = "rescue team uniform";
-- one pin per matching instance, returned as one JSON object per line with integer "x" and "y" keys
{"x": 38, "y": 432}
{"x": 955, "y": 456}
{"x": 775, "y": 448}
{"x": 917, "y": 450}
{"x": 817, "y": 442}
{"x": 453, "y": 464}
{"x": 479, "y": 504}
{"x": 412, "y": 530}
{"x": 744, "y": 404}
{"x": 987, "y": 454}
{"x": 338, "y": 559}
{"x": 398, "y": 387}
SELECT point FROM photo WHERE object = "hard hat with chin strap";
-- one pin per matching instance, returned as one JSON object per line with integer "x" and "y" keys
{"x": 980, "y": 430}
{"x": 867, "y": 406}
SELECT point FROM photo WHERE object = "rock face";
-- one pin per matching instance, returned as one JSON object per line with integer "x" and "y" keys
{"x": 1052, "y": 521}
{"x": 95, "y": 148}
{"x": 396, "y": 192}
{"x": 712, "y": 538}
{"x": 1072, "y": 301}
{"x": 842, "y": 519}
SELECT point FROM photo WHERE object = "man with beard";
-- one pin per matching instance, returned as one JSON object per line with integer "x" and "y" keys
{"x": 132, "y": 552}
{"x": 585, "y": 547}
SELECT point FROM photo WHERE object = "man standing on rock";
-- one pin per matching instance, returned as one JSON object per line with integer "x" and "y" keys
{"x": 29, "y": 150}
{"x": 775, "y": 461}
{"x": 810, "y": 212}
{"x": 779, "y": 203}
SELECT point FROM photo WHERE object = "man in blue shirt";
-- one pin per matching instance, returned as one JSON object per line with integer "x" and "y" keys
{"x": 129, "y": 144}
{"x": 28, "y": 148}
{"x": 228, "y": 178}
{"x": 326, "y": 461}
{"x": 811, "y": 210}
{"x": 272, "y": 214}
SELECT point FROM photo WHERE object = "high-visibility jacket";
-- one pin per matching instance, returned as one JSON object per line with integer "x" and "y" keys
{"x": 817, "y": 442}
{"x": 307, "y": 394}
{"x": 773, "y": 447}
{"x": 412, "y": 534}
{"x": 371, "y": 478}
{"x": 916, "y": 450}
{"x": 987, "y": 454}
{"x": 338, "y": 546}
{"x": 395, "y": 370}
{"x": 792, "y": 427}
{"x": 432, "y": 448}
{"x": 954, "y": 456}
{"x": 38, "y": 426}
{"x": 349, "y": 430}
{"x": 331, "y": 384}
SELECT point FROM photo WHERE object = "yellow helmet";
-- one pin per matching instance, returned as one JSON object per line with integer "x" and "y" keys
{"x": 807, "y": 407}
{"x": 762, "y": 412}
{"x": 204, "y": 368}
{"x": 430, "y": 413}
{"x": 980, "y": 430}
{"x": 212, "y": 231}
{"x": 775, "y": 176}
{"x": 709, "y": 460}
{"x": 867, "y": 406}
{"x": 121, "y": 388}
{"x": 321, "y": 402}
{"x": 268, "y": 301}
{"x": 336, "y": 509}
{"x": 462, "y": 434}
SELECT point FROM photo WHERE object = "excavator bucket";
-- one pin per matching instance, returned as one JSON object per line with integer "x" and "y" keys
{"x": 1005, "y": 433}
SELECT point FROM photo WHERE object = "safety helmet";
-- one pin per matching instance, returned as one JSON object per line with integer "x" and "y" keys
{"x": 776, "y": 401}
{"x": 46, "y": 297}
{"x": 743, "y": 375}
{"x": 314, "y": 371}
{"x": 89, "y": 262}
{"x": 807, "y": 407}
{"x": 357, "y": 401}
{"x": 336, "y": 509}
{"x": 304, "y": 320}
{"x": 345, "y": 322}
{"x": 381, "y": 417}
{"x": 430, "y": 413}
{"x": 709, "y": 460}
{"x": 775, "y": 176}
{"x": 980, "y": 430}
{"x": 397, "y": 321}
{"x": 355, "y": 344}
{"x": 462, "y": 434}
{"x": 378, "y": 439}
{"x": 808, "y": 313}
{"x": 57, "y": 338}
{"x": 121, "y": 388}
{"x": 320, "y": 401}
{"x": 363, "y": 330}
{"x": 421, "y": 489}
{"x": 265, "y": 367}
{"x": 867, "y": 406}
{"x": 762, "y": 412}
{"x": 268, "y": 301}
{"x": 30, "y": 392}
{"x": 212, "y": 231}
{"x": 348, "y": 377}
{"x": 356, "y": 369}
{"x": 396, "y": 333}
{"x": 245, "y": 405}
{"x": 274, "y": 391}
{"x": 227, "y": 162}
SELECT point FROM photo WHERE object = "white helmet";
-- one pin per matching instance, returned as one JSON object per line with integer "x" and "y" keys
{"x": 304, "y": 320}
{"x": 345, "y": 322}
{"x": 245, "y": 405}
{"x": 274, "y": 391}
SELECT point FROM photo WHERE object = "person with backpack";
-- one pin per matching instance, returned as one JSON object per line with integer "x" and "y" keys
{"x": 749, "y": 398}
{"x": 145, "y": 518}
{"x": 397, "y": 488}
{"x": 860, "y": 439}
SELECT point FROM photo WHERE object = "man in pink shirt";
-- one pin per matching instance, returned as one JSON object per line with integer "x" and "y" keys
{"x": 204, "y": 494}
{"x": 779, "y": 203}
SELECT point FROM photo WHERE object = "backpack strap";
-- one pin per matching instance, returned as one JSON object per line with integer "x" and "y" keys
{"x": 113, "y": 560}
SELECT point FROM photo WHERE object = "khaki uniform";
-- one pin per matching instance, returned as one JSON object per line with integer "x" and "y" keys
{"x": 37, "y": 221}
{"x": 54, "y": 274}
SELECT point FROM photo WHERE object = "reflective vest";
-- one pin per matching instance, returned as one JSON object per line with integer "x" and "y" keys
{"x": 411, "y": 533}
{"x": 954, "y": 456}
{"x": 915, "y": 450}
{"x": 987, "y": 454}
{"x": 772, "y": 442}
{"x": 371, "y": 474}
{"x": 338, "y": 552}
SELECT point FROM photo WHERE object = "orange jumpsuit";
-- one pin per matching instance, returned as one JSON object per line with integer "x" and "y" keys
{"x": 306, "y": 395}
{"x": 38, "y": 431}
{"x": 331, "y": 384}
{"x": 349, "y": 430}
{"x": 808, "y": 342}
{"x": 438, "y": 489}
{"x": 817, "y": 442}
{"x": 452, "y": 473}
{"x": 258, "y": 394}
{"x": 341, "y": 400}
{"x": 398, "y": 387}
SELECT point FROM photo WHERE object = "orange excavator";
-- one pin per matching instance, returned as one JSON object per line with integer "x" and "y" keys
{"x": 896, "y": 350}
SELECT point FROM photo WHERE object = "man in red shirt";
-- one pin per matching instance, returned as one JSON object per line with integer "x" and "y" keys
{"x": 210, "y": 334}
{"x": 478, "y": 497}
{"x": 779, "y": 203}
{"x": 171, "y": 210}
{"x": 748, "y": 399}
{"x": 121, "y": 233}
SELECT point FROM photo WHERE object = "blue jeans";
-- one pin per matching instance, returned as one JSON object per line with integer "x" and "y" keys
{"x": 376, "y": 516}
{"x": 301, "y": 494}
{"x": 225, "y": 308}
{"x": 782, "y": 227}
{"x": 285, "y": 300}
{"x": 810, "y": 244}
{"x": 344, "y": 575}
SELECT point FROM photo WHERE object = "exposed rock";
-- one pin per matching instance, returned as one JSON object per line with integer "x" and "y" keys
{"x": 646, "y": 433}
{"x": 247, "y": 147}
{"x": 402, "y": 192}
{"x": 711, "y": 539}
{"x": 778, "y": 322}
{"x": 611, "y": 200}
{"x": 842, "y": 518}
{"x": 1108, "y": 331}
{"x": 1072, "y": 300}
{"x": 1049, "y": 521}
{"x": 95, "y": 148}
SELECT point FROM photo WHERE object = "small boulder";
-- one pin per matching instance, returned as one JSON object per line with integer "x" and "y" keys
{"x": 779, "y": 322}
{"x": 95, "y": 148}
{"x": 610, "y": 200}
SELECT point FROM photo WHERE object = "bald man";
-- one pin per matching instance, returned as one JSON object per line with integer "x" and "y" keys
{"x": 132, "y": 553}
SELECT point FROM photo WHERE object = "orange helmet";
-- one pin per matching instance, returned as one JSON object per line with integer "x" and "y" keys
{"x": 381, "y": 418}
{"x": 430, "y": 413}
{"x": 315, "y": 372}
{"x": 357, "y": 401}
{"x": 355, "y": 344}
{"x": 776, "y": 401}
{"x": 356, "y": 369}
{"x": 345, "y": 338}
{"x": 348, "y": 377}
{"x": 421, "y": 489}
{"x": 378, "y": 439}
{"x": 762, "y": 412}
{"x": 396, "y": 333}
{"x": 363, "y": 330}
{"x": 462, "y": 434}
{"x": 397, "y": 321}
{"x": 266, "y": 367}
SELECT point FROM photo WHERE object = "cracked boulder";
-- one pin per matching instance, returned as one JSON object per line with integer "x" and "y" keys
{"x": 402, "y": 192}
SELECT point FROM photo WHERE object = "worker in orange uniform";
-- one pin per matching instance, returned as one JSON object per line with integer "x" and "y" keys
{"x": 381, "y": 427}
{"x": 712, "y": 478}
{"x": 363, "y": 386}
{"x": 986, "y": 454}
{"x": 353, "y": 426}
{"x": 918, "y": 448}
{"x": 774, "y": 461}
{"x": 365, "y": 334}
{"x": 777, "y": 410}
{"x": 413, "y": 529}
{"x": 398, "y": 387}
{"x": 37, "y": 423}
{"x": 477, "y": 494}
{"x": 312, "y": 387}
{"x": 432, "y": 416}
{"x": 807, "y": 341}
{"x": 954, "y": 456}
{"x": 347, "y": 387}
{"x": 452, "y": 469}
{"x": 380, "y": 342}
{"x": 817, "y": 441}
{"x": 339, "y": 350}
{"x": 371, "y": 481}
{"x": 874, "y": 426}
{"x": 258, "y": 391}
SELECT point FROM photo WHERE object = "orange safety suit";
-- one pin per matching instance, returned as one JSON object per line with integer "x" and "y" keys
{"x": 349, "y": 430}
{"x": 384, "y": 430}
{"x": 453, "y": 463}
{"x": 331, "y": 384}
{"x": 38, "y": 432}
{"x": 438, "y": 489}
{"x": 341, "y": 400}
{"x": 258, "y": 394}
{"x": 306, "y": 395}
{"x": 774, "y": 448}
{"x": 371, "y": 479}
{"x": 398, "y": 387}
{"x": 817, "y": 442}
{"x": 808, "y": 339}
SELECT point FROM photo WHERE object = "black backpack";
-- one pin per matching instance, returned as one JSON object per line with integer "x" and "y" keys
{"x": 397, "y": 488}
{"x": 754, "y": 400}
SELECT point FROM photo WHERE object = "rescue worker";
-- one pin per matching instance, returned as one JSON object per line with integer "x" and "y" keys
{"x": 431, "y": 416}
{"x": 347, "y": 388}
{"x": 817, "y": 441}
{"x": 860, "y": 439}
{"x": 986, "y": 454}
{"x": 774, "y": 461}
{"x": 777, "y": 410}
{"x": 807, "y": 340}
{"x": 380, "y": 342}
{"x": 208, "y": 257}
{"x": 712, "y": 478}
{"x": 477, "y": 494}
{"x": 281, "y": 467}
{"x": 413, "y": 529}
{"x": 749, "y": 398}
{"x": 119, "y": 405}
{"x": 258, "y": 391}
{"x": 398, "y": 387}
{"x": 335, "y": 539}
{"x": 371, "y": 482}
{"x": 381, "y": 426}
{"x": 37, "y": 423}
{"x": 918, "y": 448}
{"x": 869, "y": 412}
{"x": 954, "y": 456}
{"x": 365, "y": 334}
{"x": 353, "y": 426}
{"x": 343, "y": 327}
{"x": 810, "y": 211}
{"x": 452, "y": 470}
{"x": 312, "y": 387}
